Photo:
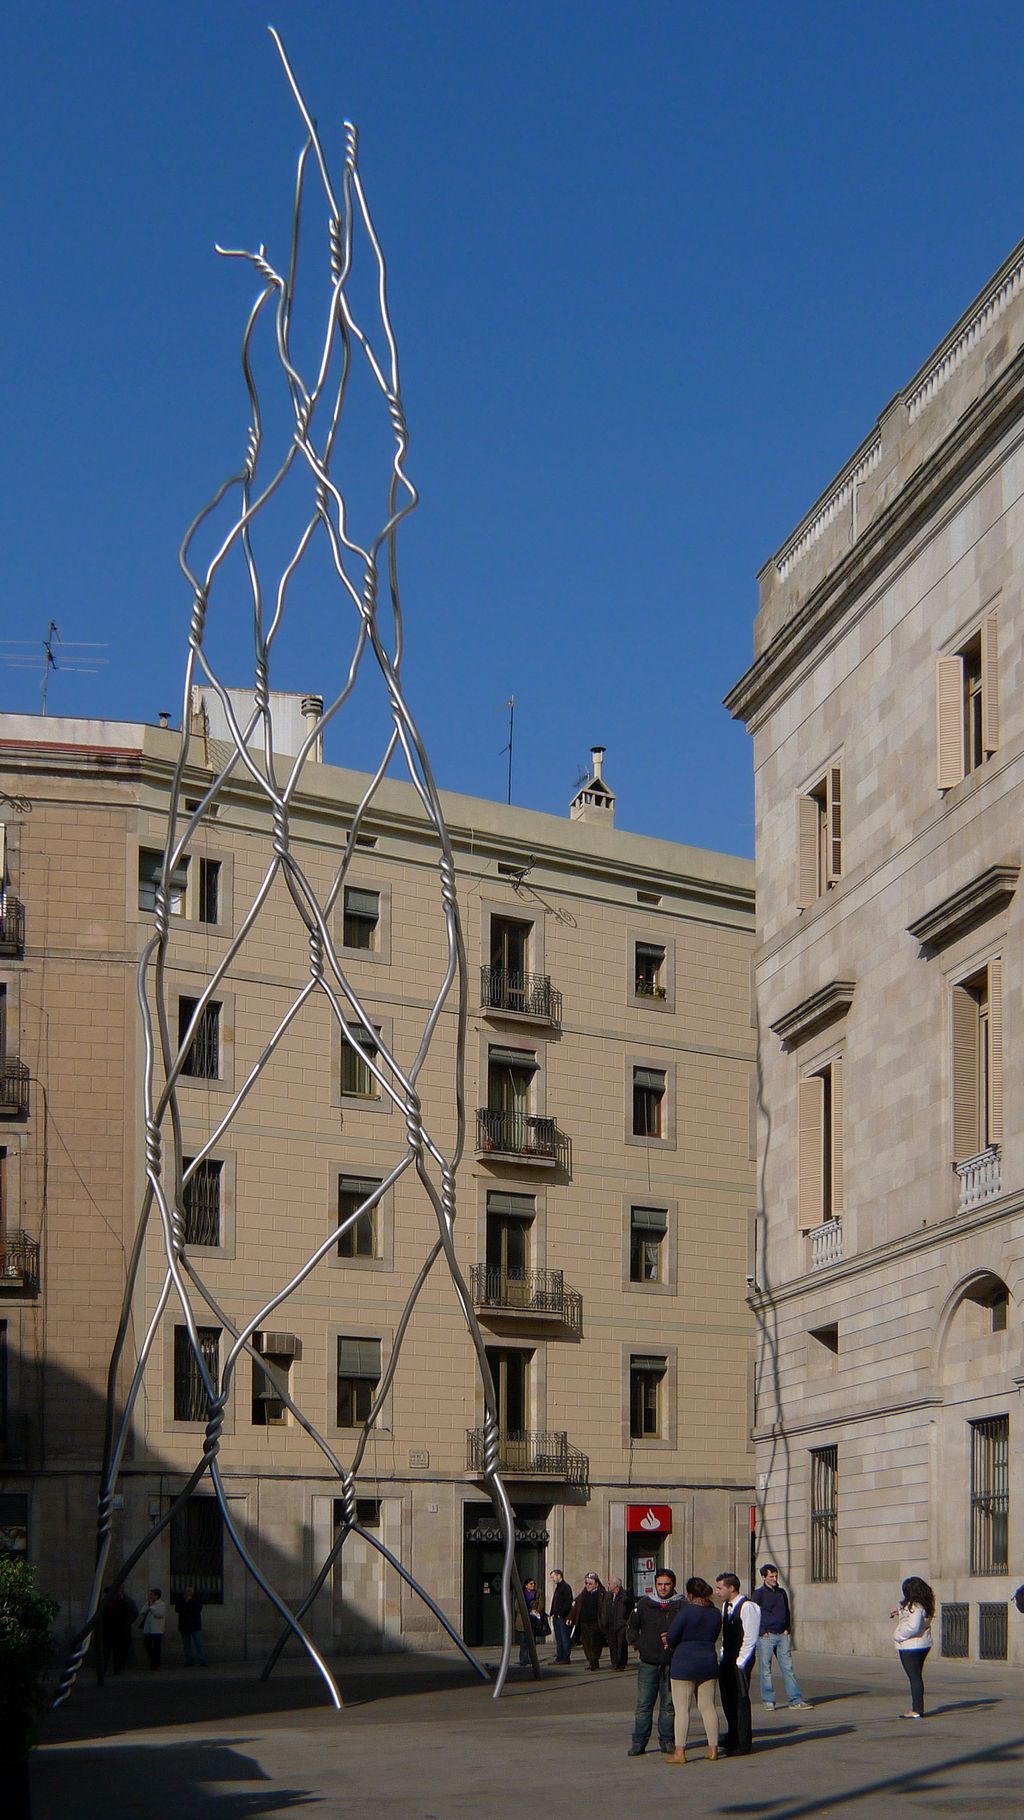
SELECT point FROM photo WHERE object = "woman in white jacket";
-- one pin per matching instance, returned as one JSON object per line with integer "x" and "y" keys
{"x": 913, "y": 1637}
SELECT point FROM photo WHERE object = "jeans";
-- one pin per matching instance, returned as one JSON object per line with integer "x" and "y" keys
{"x": 913, "y": 1662}
{"x": 777, "y": 1643}
{"x": 563, "y": 1640}
{"x": 653, "y": 1683}
{"x": 190, "y": 1638}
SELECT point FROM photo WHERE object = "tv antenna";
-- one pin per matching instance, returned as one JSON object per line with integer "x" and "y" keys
{"x": 78, "y": 658}
{"x": 511, "y": 706}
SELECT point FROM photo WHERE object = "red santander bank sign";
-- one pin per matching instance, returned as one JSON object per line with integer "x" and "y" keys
{"x": 648, "y": 1520}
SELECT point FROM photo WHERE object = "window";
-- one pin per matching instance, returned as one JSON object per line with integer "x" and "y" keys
{"x": 367, "y": 1513}
{"x": 507, "y": 982}
{"x": 820, "y": 1145}
{"x": 358, "y": 1377}
{"x": 270, "y": 1375}
{"x": 977, "y": 1071}
{"x": 647, "y": 1229}
{"x": 990, "y": 1495}
{"x": 649, "y": 970}
{"x": 646, "y": 1377}
{"x": 361, "y": 921}
{"x": 820, "y": 837}
{"x": 510, "y": 1076}
{"x": 208, "y": 907}
{"x": 200, "y": 1202}
{"x": 824, "y": 1514}
{"x": 968, "y": 705}
{"x": 197, "y": 1550}
{"x": 189, "y": 1395}
{"x": 151, "y": 865}
{"x": 509, "y": 1221}
{"x": 648, "y": 1102}
{"x": 510, "y": 1369}
{"x": 202, "y": 1061}
{"x": 356, "y": 1076}
{"x": 360, "y": 1238}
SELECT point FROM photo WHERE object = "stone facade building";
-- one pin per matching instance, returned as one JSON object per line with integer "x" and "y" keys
{"x": 887, "y": 711}
{"x": 604, "y": 1201}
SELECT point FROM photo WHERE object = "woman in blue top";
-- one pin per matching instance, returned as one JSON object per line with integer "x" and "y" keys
{"x": 692, "y": 1636}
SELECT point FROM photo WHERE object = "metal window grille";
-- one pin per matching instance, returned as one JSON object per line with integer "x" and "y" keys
{"x": 992, "y": 1632}
{"x": 197, "y": 1550}
{"x": 189, "y": 1395}
{"x": 209, "y": 891}
{"x": 825, "y": 1514}
{"x": 990, "y": 1495}
{"x": 200, "y": 1198}
{"x": 202, "y": 1060}
{"x": 956, "y": 1630}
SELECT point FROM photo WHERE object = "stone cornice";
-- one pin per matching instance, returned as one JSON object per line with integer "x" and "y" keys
{"x": 963, "y": 909}
{"x": 821, "y": 1007}
{"x": 863, "y": 1263}
{"x": 832, "y": 1418}
{"x": 939, "y": 475}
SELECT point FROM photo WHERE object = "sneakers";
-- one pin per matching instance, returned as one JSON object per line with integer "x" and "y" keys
{"x": 769, "y": 1705}
{"x": 799, "y": 1706}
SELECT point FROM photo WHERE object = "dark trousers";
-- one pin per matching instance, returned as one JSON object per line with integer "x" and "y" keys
{"x": 618, "y": 1648}
{"x": 913, "y": 1662}
{"x": 563, "y": 1639}
{"x": 734, "y": 1687}
{"x": 592, "y": 1638}
{"x": 151, "y": 1645}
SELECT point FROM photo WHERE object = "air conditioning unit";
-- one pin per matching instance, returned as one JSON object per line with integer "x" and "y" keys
{"x": 280, "y": 1345}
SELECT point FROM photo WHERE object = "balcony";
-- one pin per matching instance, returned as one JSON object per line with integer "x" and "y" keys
{"x": 540, "y": 1454}
{"x": 520, "y": 1137}
{"x": 530, "y": 996}
{"x": 826, "y": 1244}
{"x": 19, "y": 1263}
{"x": 12, "y": 925}
{"x": 980, "y": 1178}
{"x": 529, "y": 1295}
{"x": 14, "y": 1088}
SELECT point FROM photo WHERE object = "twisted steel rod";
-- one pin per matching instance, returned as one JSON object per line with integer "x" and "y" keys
{"x": 358, "y": 570}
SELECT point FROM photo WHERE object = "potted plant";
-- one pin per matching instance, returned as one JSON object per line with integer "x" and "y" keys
{"x": 25, "y": 1650}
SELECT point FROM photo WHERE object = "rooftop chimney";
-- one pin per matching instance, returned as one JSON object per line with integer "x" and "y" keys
{"x": 593, "y": 801}
{"x": 312, "y": 708}
{"x": 165, "y": 717}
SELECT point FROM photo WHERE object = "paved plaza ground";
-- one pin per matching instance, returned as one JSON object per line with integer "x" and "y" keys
{"x": 420, "y": 1739}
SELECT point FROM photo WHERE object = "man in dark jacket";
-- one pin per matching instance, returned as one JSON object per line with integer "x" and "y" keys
{"x": 741, "y": 1621}
{"x": 649, "y": 1620}
{"x": 616, "y": 1605}
{"x": 774, "y": 1639}
{"x": 190, "y": 1624}
{"x": 560, "y": 1607}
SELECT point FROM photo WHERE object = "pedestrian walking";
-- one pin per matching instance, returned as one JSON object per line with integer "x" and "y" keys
{"x": 692, "y": 1636}
{"x": 560, "y": 1607}
{"x": 774, "y": 1639}
{"x": 615, "y": 1606}
{"x": 646, "y": 1631}
{"x": 152, "y": 1624}
{"x": 913, "y": 1637}
{"x": 585, "y": 1619}
{"x": 741, "y": 1621}
{"x": 190, "y": 1626}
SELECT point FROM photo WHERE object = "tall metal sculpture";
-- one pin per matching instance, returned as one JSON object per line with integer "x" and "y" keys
{"x": 315, "y": 408}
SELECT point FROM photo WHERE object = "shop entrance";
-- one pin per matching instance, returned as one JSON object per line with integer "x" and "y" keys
{"x": 482, "y": 1557}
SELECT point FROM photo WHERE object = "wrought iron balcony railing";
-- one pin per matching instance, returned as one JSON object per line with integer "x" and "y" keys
{"x": 525, "y": 1136}
{"x": 520, "y": 994}
{"x": 12, "y": 924}
{"x": 540, "y": 1294}
{"x": 19, "y": 1261}
{"x": 14, "y": 1088}
{"x": 537, "y": 1454}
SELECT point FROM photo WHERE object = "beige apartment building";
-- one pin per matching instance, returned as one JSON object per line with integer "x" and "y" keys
{"x": 887, "y": 711}
{"x": 604, "y": 1202}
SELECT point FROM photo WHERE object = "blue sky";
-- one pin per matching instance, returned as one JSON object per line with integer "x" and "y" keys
{"x": 655, "y": 269}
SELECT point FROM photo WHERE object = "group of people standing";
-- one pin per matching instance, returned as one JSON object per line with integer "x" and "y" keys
{"x": 596, "y": 1616}
{"x": 119, "y": 1613}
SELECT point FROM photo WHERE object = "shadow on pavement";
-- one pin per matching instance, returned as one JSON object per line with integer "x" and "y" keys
{"x": 157, "y": 1778}
{"x": 926, "y": 1780}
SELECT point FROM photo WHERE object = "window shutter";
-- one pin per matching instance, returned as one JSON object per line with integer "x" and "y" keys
{"x": 807, "y": 846}
{"x": 965, "y": 1075}
{"x": 990, "y": 683}
{"x": 838, "y": 1136}
{"x": 513, "y": 1058}
{"x": 648, "y": 1219}
{"x": 361, "y": 1185}
{"x": 654, "y": 1078}
{"x": 834, "y": 798}
{"x": 995, "y": 1051}
{"x": 358, "y": 1358}
{"x": 523, "y": 1206}
{"x": 810, "y": 1145}
{"x": 949, "y": 682}
{"x": 362, "y": 903}
{"x": 643, "y": 1362}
